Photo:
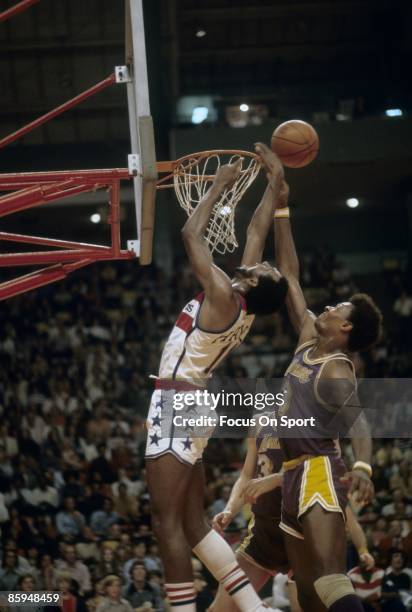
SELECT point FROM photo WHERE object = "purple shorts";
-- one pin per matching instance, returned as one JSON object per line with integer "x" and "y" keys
{"x": 315, "y": 480}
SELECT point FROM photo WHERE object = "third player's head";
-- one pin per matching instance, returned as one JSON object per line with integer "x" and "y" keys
{"x": 262, "y": 286}
{"x": 354, "y": 325}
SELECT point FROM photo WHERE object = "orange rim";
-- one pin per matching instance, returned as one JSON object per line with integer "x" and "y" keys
{"x": 172, "y": 166}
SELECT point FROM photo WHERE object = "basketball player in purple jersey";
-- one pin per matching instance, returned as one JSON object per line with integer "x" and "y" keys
{"x": 321, "y": 382}
{"x": 208, "y": 328}
{"x": 262, "y": 553}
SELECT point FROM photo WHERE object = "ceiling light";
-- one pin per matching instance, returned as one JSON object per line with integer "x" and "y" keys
{"x": 352, "y": 202}
{"x": 393, "y": 112}
{"x": 244, "y": 108}
{"x": 95, "y": 218}
{"x": 200, "y": 33}
{"x": 199, "y": 114}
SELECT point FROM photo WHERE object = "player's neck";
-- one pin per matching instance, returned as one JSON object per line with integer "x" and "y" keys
{"x": 326, "y": 345}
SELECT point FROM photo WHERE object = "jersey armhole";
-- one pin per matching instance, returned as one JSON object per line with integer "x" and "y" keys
{"x": 319, "y": 374}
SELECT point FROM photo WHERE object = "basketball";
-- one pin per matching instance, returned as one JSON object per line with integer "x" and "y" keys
{"x": 296, "y": 143}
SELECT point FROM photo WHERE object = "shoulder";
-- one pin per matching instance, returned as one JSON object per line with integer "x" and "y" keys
{"x": 338, "y": 367}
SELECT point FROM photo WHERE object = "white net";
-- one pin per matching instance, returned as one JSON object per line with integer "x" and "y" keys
{"x": 193, "y": 176}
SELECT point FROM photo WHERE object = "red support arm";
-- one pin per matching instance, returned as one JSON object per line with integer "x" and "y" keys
{"x": 42, "y": 194}
{"x": 50, "y": 257}
{"x": 16, "y": 9}
{"x": 39, "y": 278}
{"x": 14, "y": 180}
{"x": 61, "y": 244}
{"x": 58, "y": 111}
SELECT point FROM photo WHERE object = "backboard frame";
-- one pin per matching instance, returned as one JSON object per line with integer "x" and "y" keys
{"x": 141, "y": 131}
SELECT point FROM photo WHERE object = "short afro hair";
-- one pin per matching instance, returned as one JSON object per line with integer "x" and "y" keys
{"x": 366, "y": 319}
{"x": 267, "y": 297}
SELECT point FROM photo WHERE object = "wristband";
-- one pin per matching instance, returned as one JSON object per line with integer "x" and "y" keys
{"x": 363, "y": 551}
{"x": 282, "y": 213}
{"x": 365, "y": 467}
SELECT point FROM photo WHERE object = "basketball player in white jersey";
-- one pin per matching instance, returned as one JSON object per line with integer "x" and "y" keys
{"x": 208, "y": 328}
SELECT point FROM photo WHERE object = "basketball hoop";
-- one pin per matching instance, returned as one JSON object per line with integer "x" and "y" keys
{"x": 192, "y": 177}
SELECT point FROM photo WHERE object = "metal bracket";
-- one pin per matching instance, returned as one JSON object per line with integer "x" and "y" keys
{"x": 134, "y": 245}
{"x": 134, "y": 164}
{"x": 122, "y": 74}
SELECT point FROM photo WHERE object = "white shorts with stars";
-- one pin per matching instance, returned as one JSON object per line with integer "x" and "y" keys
{"x": 187, "y": 449}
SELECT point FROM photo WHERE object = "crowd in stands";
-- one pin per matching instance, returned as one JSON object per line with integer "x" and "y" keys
{"x": 74, "y": 386}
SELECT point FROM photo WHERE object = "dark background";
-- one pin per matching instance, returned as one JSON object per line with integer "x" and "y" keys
{"x": 301, "y": 59}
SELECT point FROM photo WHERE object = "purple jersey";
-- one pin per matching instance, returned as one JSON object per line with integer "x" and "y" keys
{"x": 303, "y": 401}
{"x": 269, "y": 461}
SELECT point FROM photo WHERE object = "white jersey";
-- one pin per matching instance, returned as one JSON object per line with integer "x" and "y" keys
{"x": 192, "y": 353}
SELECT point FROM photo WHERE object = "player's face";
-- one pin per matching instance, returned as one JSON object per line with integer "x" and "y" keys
{"x": 254, "y": 273}
{"x": 334, "y": 317}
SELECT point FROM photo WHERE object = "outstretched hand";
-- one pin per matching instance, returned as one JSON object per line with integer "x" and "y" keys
{"x": 227, "y": 174}
{"x": 273, "y": 165}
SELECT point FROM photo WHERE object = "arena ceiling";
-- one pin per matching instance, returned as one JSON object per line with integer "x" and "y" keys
{"x": 310, "y": 53}
{"x": 297, "y": 56}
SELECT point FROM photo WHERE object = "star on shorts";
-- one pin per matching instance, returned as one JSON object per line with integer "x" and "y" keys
{"x": 157, "y": 421}
{"x": 154, "y": 439}
{"x": 187, "y": 444}
{"x": 160, "y": 404}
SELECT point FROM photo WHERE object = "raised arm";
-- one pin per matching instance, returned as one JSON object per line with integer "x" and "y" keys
{"x": 261, "y": 221}
{"x": 220, "y": 297}
{"x": 286, "y": 257}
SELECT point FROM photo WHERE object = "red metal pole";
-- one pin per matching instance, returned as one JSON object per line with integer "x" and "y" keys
{"x": 16, "y": 9}
{"x": 58, "y": 111}
{"x": 39, "y": 278}
{"x": 20, "y": 179}
{"x": 114, "y": 217}
{"x": 62, "y": 244}
{"x": 51, "y": 257}
{"x": 29, "y": 198}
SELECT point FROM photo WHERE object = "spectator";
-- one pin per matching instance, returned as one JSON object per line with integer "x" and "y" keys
{"x": 102, "y": 520}
{"x": 75, "y": 569}
{"x": 367, "y": 584}
{"x": 27, "y": 584}
{"x": 391, "y": 509}
{"x": 396, "y": 586}
{"x": 101, "y": 466}
{"x": 68, "y": 588}
{"x": 395, "y": 539}
{"x": 139, "y": 592}
{"x": 139, "y": 554}
{"x": 9, "y": 573}
{"x": 152, "y": 560}
{"x": 108, "y": 563}
{"x": 44, "y": 496}
{"x": 47, "y": 574}
{"x": 69, "y": 521}
{"x": 126, "y": 505}
{"x": 113, "y": 602}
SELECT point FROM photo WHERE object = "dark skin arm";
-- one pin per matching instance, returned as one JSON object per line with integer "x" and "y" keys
{"x": 337, "y": 389}
{"x": 220, "y": 305}
{"x": 261, "y": 221}
{"x": 286, "y": 257}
